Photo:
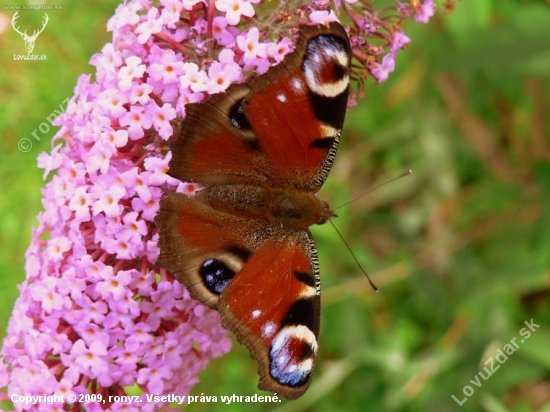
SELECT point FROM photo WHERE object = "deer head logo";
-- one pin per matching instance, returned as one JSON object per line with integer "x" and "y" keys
{"x": 29, "y": 40}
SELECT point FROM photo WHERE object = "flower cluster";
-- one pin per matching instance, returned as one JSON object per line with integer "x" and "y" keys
{"x": 95, "y": 314}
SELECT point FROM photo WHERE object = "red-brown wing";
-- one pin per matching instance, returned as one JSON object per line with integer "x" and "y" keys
{"x": 282, "y": 127}
{"x": 264, "y": 283}
{"x": 272, "y": 306}
{"x": 196, "y": 239}
{"x": 301, "y": 107}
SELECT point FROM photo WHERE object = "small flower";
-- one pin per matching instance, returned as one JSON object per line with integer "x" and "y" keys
{"x": 221, "y": 33}
{"x": 99, "y": 157}
{"x": 108, "y": 197}
{"x": 56, "y": 248}
{"x": 126, "y": 14}
{"x": 151, "y": 25}
{"x": 87, "y": 359}
{"x": 50, "y": 162}
{"x": 161, "y": 117}
{"x": 425, "y": 11}
{"x": 107, "y": 63}
{"x": 166, "y": 67}
{"x": 322, "y": 16}
{"x": 45, "y": 292}
{"x": 193, "y": 78}
{"x": 222, "y": 75}
{"x": 159, "y": 168}
{"x": 112, "y": 102}
{"x": 140, "y": 93}
{"x": 400, "y": 40}
{"x": 148, "y": 209}
{"x": 171, "y": 12}
{"x": 80, "y": 204}
{"x": 254, "y": 51}
{"x": 383, "y": 70}
{"x": 137, "y": 122}
{"x": 116, "y": 139}
{"x": 278, "y": 51}
{"x": 190, "y": 189}
{"x": 234, "y": 9}
{"x": 113, "y": 285}
{"x": 132, "y": 70}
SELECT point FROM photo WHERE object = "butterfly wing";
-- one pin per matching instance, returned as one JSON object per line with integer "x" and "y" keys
{"x": 265, "y": 284}
{"x": 305, "y": 101}
{"x": 280, "y": 128}
{"x": 201, "y": 247}
{"x": 280, "y": 323}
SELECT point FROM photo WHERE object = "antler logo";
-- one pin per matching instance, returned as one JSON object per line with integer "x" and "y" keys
{"x": 29, "y": 40}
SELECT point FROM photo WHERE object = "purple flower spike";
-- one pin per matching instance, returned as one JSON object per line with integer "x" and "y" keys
{"x": 95, "y": 314}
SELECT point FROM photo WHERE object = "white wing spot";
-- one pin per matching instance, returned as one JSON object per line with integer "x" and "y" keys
{"x": 281, "y": 97}
{"x": 328, "y": 131}
{"x": 268, "y": 329}
{"x": 297, "y": 85}
{"x": 307, "y": 292}
{"x": 256, "y": 313}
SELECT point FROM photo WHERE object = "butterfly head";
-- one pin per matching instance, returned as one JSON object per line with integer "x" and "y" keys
{"x": 298, "y": 210}
{"x": 327, "y": 214}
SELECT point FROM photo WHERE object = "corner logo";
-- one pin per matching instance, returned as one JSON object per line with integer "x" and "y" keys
{"x": 29, "y": 40}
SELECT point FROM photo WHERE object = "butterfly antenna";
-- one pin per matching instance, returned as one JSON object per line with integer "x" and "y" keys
{"x": 373, "y": 286}
{"x": 402, "y": 174}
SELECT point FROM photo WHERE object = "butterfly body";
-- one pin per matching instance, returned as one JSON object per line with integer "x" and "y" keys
{"x": 242, "y": 245}
{"x": 289, "y": 209}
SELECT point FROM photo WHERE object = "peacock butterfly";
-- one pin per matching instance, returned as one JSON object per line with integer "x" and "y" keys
{"x": 241, "y": 245}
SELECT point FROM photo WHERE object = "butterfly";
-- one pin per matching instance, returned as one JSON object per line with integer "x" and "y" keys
{"x": 262, "y": 150}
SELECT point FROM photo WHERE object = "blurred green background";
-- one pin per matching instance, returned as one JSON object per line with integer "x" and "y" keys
{"x": 460, "y": 249}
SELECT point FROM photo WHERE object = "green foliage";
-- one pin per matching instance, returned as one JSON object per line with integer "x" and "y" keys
{"x": 460, "y": 249}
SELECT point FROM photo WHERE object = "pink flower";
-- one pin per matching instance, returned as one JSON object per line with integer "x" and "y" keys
{"x": 322, "y": 16}
{"x": 166, "y": 68}
{"x": 222, "y": 75}
{"x": 160, "y": 117}
{"x": 221, "y": 33}
{"x": 80, "y": 204}
{"x": 140, "y": 93}
{"x": 400, "y": 40}
{"x": 382, "y": 72}
{"x": 112, "y": 101}
{"x": 425, "y": 11}
{"x": 278, "y": 51}
{"x": 149, "y": 26}
{"x": 234, "y": 9}
{"x": 171, "y": 12}
{"x": 189, "y": 188}
{"x": 50, "y": 162}
{"x": 254, "y": 51}
{"x": 193, "y": 78}
{"x": 132, "y": 70}
{"x": 137, "y": 122}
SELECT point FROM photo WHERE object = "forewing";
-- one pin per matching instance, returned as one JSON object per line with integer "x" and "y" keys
{"x": 282, "y": 127}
